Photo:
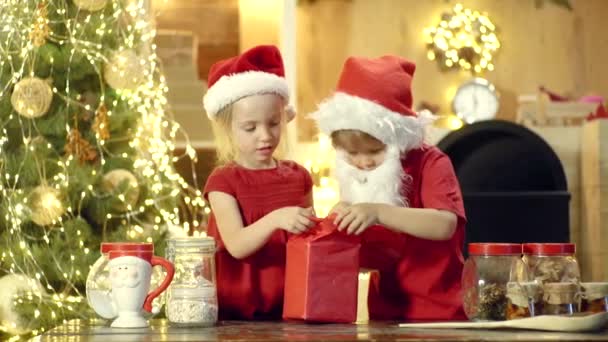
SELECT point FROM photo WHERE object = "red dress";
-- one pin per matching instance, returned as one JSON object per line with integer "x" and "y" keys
{"x": 419, "y": 278}
{"x": 252, "y": 288}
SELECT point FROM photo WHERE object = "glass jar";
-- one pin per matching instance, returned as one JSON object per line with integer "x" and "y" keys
{"x": 486, "y": 272}
{"x": 552, "y": 262}
{"x": 560, "y": 298}
{"x": 595, "y": 297}
{"x": 192, "y": 296}
{"x": 523, "y": 300}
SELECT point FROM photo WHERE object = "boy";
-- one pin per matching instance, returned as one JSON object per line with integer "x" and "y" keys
{"x": 401, "y": 195}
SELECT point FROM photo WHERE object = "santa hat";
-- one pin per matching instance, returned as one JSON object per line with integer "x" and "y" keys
{"x": 135, "y": 257}
{"x": 256, "y": 71}
{"x": 374, "y": 95}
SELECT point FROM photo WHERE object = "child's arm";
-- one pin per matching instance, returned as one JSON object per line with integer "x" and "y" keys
{"x": 241, "y": 242}
{"x": 425, "y": 223}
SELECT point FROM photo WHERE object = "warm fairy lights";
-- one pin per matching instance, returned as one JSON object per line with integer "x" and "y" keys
{"x": 35, "y": 32}
{"x": 464, "y": 39}
{"x": 325, "y": 187}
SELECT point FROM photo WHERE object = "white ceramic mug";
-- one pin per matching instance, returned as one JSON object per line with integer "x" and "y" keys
{"x": 130, "y": 273}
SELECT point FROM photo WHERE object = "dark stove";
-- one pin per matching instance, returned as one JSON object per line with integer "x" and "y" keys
{"x": 513, "y": 183}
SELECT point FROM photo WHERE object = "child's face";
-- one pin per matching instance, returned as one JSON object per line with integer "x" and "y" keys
{"x": 366, "y": 159}
{"x": 256, "y": 126}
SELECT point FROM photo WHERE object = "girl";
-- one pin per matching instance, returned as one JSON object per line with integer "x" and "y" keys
{"x": 400, "y": 194}
{"x": 256, "y": 200}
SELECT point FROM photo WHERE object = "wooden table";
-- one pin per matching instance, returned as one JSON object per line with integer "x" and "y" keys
{"x": 76, "y": 330}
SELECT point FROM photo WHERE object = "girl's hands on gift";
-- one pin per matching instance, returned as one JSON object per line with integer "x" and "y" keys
{"x": 339, "y": 206}
{"x": 295, "y": 220}
{"x": 356, "y": 218}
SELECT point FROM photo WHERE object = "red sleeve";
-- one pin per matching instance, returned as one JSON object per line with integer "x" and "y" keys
{"x": 219, "y": 180}
{"x": 440, "y": 188}
{"x": 308, "y": 184}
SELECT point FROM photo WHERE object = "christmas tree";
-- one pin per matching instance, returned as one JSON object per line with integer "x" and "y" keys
{"x": 86, "y": 151}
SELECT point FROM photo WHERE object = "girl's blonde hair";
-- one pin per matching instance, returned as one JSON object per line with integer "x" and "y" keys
{"x": 221, "y": 124}
{"x": 355, "y": 140}
{"x": 226, "y": 149}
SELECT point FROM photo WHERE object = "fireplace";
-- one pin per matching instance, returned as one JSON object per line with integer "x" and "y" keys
{"x": 513, "y": 184}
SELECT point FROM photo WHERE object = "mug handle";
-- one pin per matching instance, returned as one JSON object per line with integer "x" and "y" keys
{"x": 168, "y": 266}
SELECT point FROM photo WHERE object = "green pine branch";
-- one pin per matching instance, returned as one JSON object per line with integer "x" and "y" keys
{"x": 38, "y": 313}
{"x": 71, "y": 60}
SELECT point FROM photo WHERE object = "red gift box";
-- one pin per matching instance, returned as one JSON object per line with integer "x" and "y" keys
{"x": 321, "y": 275}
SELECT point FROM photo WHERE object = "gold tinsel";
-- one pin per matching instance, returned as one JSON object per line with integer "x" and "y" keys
{"x": 79, "y": 147}
{"x": 40, "y": 27}
{"x": 100, "y": 124}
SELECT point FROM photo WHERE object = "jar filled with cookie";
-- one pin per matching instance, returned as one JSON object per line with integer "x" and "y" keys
{"x": 488, "y": 269}
{"x": 551, "y": 262}
{"x": 560, "y": 298}
{"x": 595, "y": 297}
{"x": 524, "y": 299}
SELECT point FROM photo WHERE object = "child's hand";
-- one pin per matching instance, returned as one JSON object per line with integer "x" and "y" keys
{"x": 338, "y": 207}
{"x": 356, "y": 218}
{"x": 295, "y": 220}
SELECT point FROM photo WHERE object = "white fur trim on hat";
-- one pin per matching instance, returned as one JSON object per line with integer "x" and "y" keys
{"x": 232, "y": 88}
{"x": 344, "y": 111}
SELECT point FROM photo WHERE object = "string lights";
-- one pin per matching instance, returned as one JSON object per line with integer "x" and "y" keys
{"x": 94, "y": 68}
{"x": 325, "y": 187}
{"x": 464, "y": 39}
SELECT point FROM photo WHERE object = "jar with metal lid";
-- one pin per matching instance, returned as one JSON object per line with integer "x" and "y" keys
{"x": 524, "y": 299}
{"x": 552, "y": 262}
{"x": 560, "y": 298}
{"x": 488, "y": 269}
{"x": 192, "y": 297}
{"x": 595, "y": 297}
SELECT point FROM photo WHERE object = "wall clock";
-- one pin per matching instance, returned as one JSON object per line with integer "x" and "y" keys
{"x": 476, "y": 100}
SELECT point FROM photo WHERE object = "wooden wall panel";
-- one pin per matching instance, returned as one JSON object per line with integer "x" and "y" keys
{"x": 565, "y": 51}
{"x": 215, "y": 24}
{"x": 594, "y": 180}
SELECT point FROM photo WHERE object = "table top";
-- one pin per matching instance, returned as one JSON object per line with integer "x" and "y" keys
{"x": 159, "y": 330}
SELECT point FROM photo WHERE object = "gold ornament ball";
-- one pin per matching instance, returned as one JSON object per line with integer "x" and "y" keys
{"x": 32, "y": 97}
{"x": 12, "y": 285}
{"x": 124, "y": 70}
{"x": 113, "y": 180}
{"x": 91, "y": 5}
{"x": 46, "y": 205}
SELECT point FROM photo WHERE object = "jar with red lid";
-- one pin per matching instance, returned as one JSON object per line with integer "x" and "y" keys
{"x": 560, "y": 298}
{"x": 524, "y": 299}
{"x": 595, "y": 297}
{"x": 552, "y": 262}
{"x": 488, "y": 269}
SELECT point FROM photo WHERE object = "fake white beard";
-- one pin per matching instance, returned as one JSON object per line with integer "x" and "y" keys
{"x": 386, "y": 184}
